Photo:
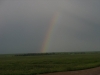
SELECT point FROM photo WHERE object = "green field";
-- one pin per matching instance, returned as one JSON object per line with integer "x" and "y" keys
{"x": 45, "y": 63}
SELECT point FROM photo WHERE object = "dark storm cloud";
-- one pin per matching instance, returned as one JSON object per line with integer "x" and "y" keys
{"x": 24, "y": 24}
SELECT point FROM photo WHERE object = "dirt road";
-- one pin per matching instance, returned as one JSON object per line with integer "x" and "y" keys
{"x": 93, "y": 71}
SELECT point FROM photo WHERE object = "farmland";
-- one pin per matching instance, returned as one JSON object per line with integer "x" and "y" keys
{"x": 33, "y": 64}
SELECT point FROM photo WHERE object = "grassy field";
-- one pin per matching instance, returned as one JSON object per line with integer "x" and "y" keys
{"x": 45, "y": 63}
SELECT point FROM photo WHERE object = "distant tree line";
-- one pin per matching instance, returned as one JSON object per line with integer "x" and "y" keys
{"x": 34, "y": 54}
{"x": 54, "y": 53}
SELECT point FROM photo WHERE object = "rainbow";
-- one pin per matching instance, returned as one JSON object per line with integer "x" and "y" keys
{"x": 52, "y": 24}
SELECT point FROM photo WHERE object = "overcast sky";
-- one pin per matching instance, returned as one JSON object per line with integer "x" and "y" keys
{"x": 24, "y": 25}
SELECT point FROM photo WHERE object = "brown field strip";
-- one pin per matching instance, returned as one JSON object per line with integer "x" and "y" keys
{"x": 93, "y": 71}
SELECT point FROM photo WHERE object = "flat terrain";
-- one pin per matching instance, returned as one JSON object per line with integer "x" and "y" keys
{"x": 92, "y": 71}
{"x": 34, "y": 64}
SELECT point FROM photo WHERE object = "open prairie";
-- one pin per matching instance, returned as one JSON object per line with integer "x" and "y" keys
{"x": 33, "y": 64}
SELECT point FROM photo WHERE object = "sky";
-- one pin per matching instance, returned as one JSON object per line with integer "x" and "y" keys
{"x": 39, "y": 26}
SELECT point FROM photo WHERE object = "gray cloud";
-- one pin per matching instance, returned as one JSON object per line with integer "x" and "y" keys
{"x": 24, "y": 24}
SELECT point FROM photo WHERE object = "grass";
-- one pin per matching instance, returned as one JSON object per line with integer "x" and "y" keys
{"x": 45, "y": 63}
